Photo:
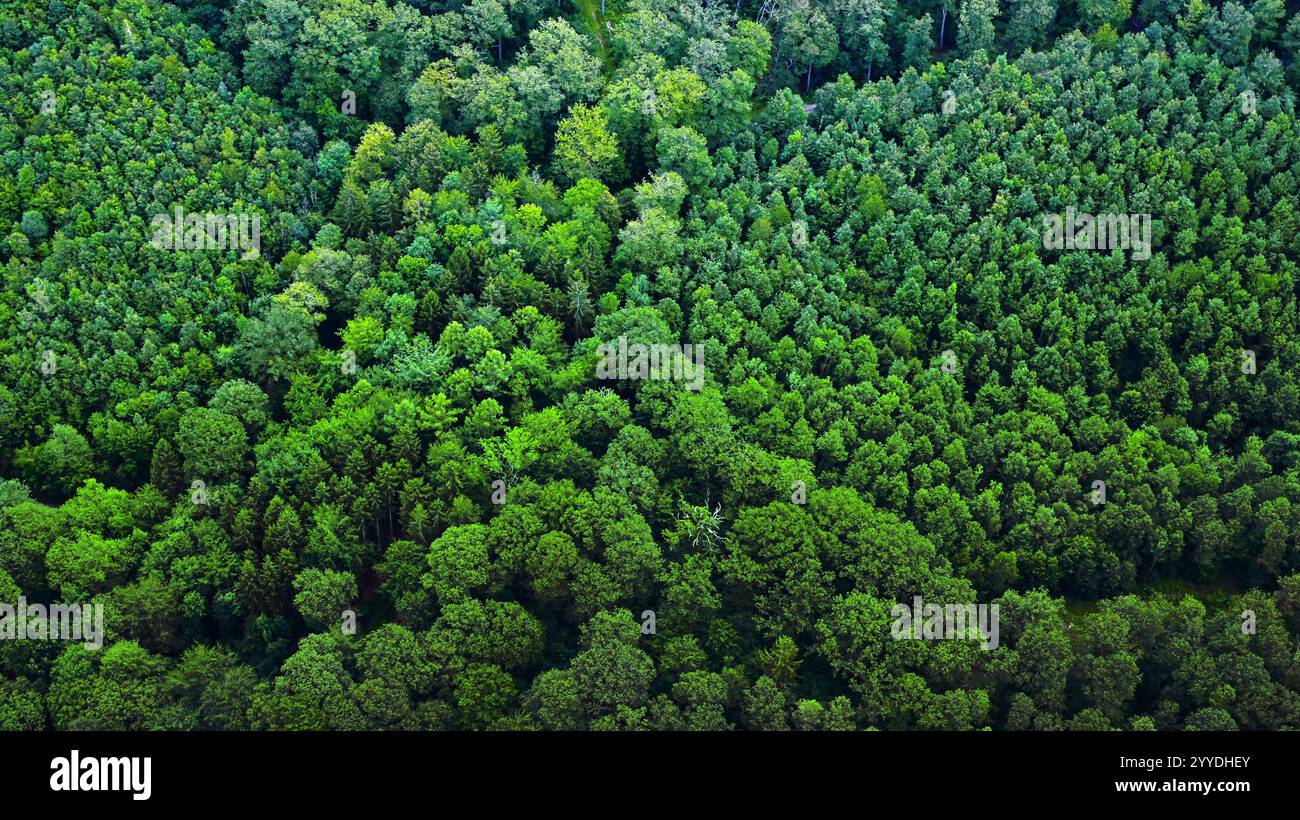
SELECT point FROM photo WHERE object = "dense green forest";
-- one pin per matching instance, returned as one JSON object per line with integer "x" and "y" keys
{"x": 366, "y": 474}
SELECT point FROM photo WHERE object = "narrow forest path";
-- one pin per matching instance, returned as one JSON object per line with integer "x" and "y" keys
{"x": 589, "y": 14}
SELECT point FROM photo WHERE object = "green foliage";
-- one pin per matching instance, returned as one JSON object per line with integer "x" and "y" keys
{"x": 400, "y": 411}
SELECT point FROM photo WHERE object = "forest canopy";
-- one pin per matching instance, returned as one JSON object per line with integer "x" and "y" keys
{"x": 359, "y": 463}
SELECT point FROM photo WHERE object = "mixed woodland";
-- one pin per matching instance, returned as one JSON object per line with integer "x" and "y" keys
{"x": 367, "y": 477}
